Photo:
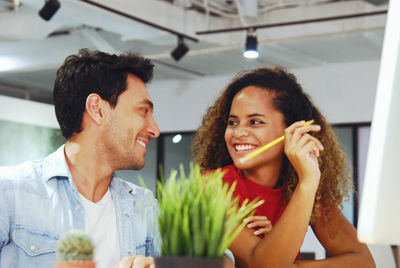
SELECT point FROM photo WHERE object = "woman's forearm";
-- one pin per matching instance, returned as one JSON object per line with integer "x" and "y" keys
{"x": 280, "y": 247}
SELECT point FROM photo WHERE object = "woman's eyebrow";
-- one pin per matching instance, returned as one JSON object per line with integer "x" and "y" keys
{"x": 256, "y": 114}
{"x": 250, "y": 115}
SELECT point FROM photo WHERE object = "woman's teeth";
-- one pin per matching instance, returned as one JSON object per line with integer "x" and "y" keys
{"x": 244, "y": 147}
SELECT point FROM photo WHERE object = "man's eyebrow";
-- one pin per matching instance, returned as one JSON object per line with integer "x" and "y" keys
{"x": 147, "y": 102}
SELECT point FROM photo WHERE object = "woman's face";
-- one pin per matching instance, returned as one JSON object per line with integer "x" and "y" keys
{"x": 252, "y": 123}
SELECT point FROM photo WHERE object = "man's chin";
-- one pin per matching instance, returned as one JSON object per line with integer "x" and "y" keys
{"x": 134, "y": 166}
{"x": 138, "y": 166}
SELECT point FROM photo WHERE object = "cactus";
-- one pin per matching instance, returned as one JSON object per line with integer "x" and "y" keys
{"x": 76, "y": 245}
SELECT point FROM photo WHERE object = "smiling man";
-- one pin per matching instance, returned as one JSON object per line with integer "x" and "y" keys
{"x": 106, "y": 115}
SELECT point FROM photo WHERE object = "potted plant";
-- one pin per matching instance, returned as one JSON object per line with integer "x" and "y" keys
{"x": 199, "y": 218}
{"x": 75, "y": 250}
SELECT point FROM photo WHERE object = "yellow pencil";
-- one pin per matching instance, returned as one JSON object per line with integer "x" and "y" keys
{"x": 267, "y": 146}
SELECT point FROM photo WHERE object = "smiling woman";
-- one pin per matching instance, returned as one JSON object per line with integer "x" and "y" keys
{"x": 303, "y": 180}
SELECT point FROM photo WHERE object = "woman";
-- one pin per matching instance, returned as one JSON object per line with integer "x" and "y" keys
{"x": 303, "y": 180}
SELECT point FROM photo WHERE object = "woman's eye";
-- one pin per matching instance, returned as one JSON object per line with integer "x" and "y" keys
{"x": 232, "y": 123}
{"x": 256, "y": 122}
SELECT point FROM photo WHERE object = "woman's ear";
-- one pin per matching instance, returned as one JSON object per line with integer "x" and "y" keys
{"x": 94, "y": 108}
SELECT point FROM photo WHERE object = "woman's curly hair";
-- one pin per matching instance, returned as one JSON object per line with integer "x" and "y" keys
{"x": 210, "y": 151}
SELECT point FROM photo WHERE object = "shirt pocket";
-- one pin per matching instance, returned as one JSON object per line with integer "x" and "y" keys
{"x": 34, "y": 242}
{"x": 146, "y": 248}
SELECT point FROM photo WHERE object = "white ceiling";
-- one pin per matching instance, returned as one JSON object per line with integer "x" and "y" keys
{"x": 31, "y": 49}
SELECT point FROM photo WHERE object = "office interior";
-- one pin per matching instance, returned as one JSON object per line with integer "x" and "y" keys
{"x": 333, "y": 46}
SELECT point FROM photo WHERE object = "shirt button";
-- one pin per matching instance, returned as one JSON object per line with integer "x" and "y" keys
{"x": 32, "y": 248}
{"x": 127, "y": 215}
{"x": 77, "y": 207}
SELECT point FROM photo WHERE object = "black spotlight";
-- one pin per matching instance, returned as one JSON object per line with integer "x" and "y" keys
{"x": 49, "y": 9}
{"x": 180, "y": 50}
{"x": 250, "y": 50}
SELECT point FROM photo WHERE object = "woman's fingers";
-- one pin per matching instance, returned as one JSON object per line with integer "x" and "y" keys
{"x": 253, "y": 218}
{"x": 297, "y": 129}
{"x": 296, "y": 136}
{"x": 261, "y": 223}
{"x": 304, "y": 146}
{"x": 303, "y": 150}
{"x": 289, "y": 130}
{"x": 309, "y": 140}
{"x": 265, "y": 230}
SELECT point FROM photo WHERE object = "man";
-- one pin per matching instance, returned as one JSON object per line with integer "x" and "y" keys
{"x": 106, "y": 115}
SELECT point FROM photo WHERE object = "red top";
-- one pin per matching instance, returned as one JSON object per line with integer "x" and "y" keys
{"x": 274, "y": 203}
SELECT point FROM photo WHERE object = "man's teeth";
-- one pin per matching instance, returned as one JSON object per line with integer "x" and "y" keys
{"x": 141, "y": 143}
{"x": 244, "y": 147}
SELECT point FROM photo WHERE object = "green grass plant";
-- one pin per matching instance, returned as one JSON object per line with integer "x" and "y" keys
{"x": 199, "y": 215}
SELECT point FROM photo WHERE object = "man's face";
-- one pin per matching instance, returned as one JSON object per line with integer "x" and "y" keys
{"x": 130, "y": 126}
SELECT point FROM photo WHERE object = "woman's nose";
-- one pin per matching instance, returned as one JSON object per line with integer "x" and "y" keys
{"x": 240, "y": 132}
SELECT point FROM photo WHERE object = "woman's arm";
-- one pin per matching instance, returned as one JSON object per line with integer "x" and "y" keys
{"x": 280, "y": 247}
{"x": 339, "y": 238}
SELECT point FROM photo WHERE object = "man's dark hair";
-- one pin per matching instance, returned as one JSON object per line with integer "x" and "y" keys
{"x": 93, "y": 72}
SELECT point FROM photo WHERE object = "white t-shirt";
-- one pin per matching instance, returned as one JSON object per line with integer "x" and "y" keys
{"x": 101, "y": 226}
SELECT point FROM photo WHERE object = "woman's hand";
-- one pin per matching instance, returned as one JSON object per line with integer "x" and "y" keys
{"x": 261, "y": 224}
{"x": 303, "y": 151}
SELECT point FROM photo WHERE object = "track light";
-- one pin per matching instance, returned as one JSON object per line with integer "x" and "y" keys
{"x": 180, "y": 50}
{"x": 49, "y": 9}
{"x": 177, "y": 138}
{"x": 250, "y": 50}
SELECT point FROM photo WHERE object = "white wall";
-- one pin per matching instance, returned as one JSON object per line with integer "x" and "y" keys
{"x": 28, "y": 112}
{"x": 344, "y": 92}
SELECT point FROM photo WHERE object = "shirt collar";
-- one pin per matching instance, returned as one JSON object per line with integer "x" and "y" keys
{"x": 55, "y": 165}
{"x": 124, "y": 189}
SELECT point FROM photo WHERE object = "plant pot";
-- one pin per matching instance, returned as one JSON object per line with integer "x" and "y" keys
{"x": 74, "y": 264}
{"x": 191, "y": 262}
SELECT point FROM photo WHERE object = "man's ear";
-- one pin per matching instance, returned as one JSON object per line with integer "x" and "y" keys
{"x": 94, "y": 108}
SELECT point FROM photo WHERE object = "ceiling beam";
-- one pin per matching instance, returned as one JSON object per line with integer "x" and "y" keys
{"x": 377, "y": 2}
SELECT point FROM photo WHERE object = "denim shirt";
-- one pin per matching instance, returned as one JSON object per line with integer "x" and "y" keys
{"x": 39, "y": 203}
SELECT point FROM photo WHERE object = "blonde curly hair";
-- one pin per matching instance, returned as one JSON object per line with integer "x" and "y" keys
{"x": 210, "y": 151}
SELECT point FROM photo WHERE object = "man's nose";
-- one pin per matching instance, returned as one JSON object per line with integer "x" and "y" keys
{"x": 153, "y": 129}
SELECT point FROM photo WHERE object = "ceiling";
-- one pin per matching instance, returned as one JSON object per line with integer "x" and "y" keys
{"x": 31, "y": 49}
